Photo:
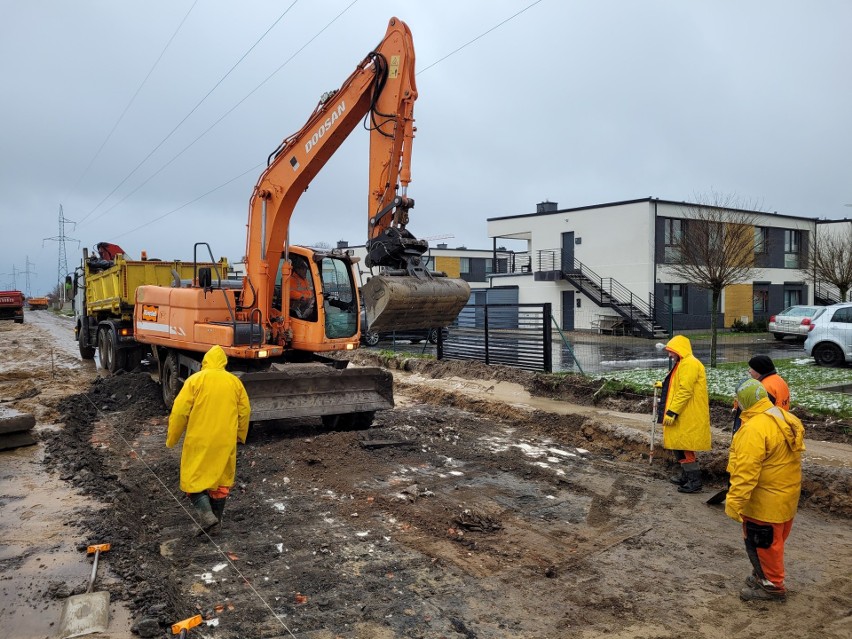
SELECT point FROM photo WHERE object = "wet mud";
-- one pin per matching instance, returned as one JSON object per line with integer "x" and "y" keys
{"x": 458, "y": 515}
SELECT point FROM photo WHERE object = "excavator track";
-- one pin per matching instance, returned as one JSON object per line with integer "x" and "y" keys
{"x": 395, "y": 302}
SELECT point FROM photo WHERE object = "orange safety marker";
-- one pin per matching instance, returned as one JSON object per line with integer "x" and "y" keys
{"x": 182, "y": 627}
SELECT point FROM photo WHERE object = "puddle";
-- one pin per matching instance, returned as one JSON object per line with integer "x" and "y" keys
{"x": 846, "y": 389}
{"x": 39, "y": 549}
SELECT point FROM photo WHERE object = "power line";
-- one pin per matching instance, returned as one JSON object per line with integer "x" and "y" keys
{"x": 269, "y": 77}
{"x": 481, "y": 35}
{"x": 222, "y": 117}
{"x": 132, "y": 99}
{"x": 157, "y": 219}
{"x": 186, "y": 117}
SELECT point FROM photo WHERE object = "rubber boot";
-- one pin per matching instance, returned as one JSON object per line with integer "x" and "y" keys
{"x": 693, "y": 479}
{"x": 218, "y": 507}
{"x": 201, "y": 503}
{"x": 679, "y": 480}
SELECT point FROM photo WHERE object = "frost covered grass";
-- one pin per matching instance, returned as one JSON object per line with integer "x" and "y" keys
{"x": 803, "y": 377}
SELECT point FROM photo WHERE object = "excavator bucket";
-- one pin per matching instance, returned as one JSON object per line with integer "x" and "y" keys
{"x": 396, "y": 302}
{"x": 317, "y": 390}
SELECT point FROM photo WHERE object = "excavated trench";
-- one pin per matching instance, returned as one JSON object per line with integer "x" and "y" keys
{"x": 489, "y": 503}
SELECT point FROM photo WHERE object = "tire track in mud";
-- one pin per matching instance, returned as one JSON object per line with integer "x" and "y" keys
{"x": 343, "y": 540}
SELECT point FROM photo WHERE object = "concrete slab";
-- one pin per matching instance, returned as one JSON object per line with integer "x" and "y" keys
{"x": 14, "y": 421}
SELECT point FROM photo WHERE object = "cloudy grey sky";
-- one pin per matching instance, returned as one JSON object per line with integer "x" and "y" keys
{"x": 150, "y": 122}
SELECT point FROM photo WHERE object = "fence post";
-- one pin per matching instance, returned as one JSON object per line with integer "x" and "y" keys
{"x": 547, "y": 339}
{"x": 486, "y": 335}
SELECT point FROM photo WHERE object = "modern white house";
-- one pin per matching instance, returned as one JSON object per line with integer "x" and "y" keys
{"x": 606, "y": 267}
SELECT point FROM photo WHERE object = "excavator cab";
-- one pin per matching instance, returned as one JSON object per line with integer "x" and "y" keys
{"x": 322, "y": 300}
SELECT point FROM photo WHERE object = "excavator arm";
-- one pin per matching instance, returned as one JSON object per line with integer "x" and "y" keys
{"x": 381, "y": 91}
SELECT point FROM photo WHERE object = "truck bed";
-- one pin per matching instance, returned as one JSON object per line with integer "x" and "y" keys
{"x": 112, "y": 290}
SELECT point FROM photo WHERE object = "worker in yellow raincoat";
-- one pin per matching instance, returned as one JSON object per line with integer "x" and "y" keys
{"x": 765, "y": 464}
{"x": 684, "y": 412}
{"x": 213, "y": 409}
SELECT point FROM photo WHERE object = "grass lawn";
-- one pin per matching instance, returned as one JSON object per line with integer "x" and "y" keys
{"x": 802, "y": 376}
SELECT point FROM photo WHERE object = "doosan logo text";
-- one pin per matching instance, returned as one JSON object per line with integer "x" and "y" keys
{"x": 325, "y": 126}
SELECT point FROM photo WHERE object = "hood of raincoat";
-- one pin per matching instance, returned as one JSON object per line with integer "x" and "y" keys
{"x": 680, "y": 345}
{"x": 749, "y": 393}
{"x": 215, "y": 359}
{"x": 790, "y": 426}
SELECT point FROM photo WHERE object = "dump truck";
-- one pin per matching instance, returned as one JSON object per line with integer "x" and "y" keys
{"x": 12, "y": 306}
{"x": 37, "y": 303}
{"x": 104, "y": 294}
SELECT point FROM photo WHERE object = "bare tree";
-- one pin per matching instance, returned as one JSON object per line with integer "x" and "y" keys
{"x": 715, "y": 248}
{"x": 831, "y": 258}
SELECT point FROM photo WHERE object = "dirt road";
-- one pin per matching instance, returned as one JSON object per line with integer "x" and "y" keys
{"x": 470, "y": 510}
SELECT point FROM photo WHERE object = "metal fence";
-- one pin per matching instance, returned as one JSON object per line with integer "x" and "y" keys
{"x": 527, "y": 336}
{"x": 516, "y": 335}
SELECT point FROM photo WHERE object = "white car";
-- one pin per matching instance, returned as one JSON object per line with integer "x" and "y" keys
{"x": 829, "y": 338}
{"x": 793, "y": 321}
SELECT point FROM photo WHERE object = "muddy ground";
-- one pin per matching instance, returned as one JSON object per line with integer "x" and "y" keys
{"x": 489, "y": 503}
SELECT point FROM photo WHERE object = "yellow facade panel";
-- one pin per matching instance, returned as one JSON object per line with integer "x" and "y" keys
{"x": 739, "y": 303}
{"x": 450, "y": 265}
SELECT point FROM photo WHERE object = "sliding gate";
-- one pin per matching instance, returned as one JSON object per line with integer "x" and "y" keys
{"x": 516, "y": 335}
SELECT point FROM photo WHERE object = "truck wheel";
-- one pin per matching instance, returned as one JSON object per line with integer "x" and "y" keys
{"x": 170, "y": 380}
{"x": 86, "y": 351}
{"x": 828, "y": 355}
{"x": 112, "y": 358}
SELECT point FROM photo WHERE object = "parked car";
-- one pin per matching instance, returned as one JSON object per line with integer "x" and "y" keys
{"x": 794, "y": 321}
{"x": 370, "y": 338}
{"x": 829, "y": 338}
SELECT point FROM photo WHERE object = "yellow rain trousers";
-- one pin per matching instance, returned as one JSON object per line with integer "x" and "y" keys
{"x": 213, "y": 409}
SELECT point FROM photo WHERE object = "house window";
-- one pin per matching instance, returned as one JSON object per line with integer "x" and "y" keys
{"x": 760, "y": 301}
{"x": 760, "y": 240}
{"x": 489, "y": 265}
{"x": 675, "y": 296}
{"x": 464, "y": 265}
{"x": 672, "y": 236}
{"x": 792, "y": 244}
{"x": 716, "y": 237}
{"x": 792, "y": 297}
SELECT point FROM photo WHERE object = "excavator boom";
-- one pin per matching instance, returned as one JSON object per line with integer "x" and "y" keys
{"x": 381, "y": 91}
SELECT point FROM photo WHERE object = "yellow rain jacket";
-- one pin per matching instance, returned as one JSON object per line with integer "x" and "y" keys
{"x": 686, "y": 395}
{"x": 765, "y": 464}
{"x": 213, "y": 408}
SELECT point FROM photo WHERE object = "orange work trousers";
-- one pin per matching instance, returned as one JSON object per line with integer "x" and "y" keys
{"x": 770, "y": 561}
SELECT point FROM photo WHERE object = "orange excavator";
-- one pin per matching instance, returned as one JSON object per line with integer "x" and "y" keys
{"x": 296, "y": 304}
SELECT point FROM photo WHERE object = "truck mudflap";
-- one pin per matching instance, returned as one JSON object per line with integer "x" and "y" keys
{"x": 317, "y": 390}
{"x": 398, "y": 302}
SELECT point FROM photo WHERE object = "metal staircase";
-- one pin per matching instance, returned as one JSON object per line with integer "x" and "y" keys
{"x": 639, "y": 315}
{"x": 825, "y": 293}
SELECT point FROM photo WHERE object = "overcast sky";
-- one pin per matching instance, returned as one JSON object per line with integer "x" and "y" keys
{"x": 118, "y": 111}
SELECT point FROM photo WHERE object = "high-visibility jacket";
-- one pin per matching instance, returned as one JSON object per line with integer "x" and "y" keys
{"x": 777, "y": 388}
{"x": 685, "y": 393}
{"x": 765, "y": 465}
{"x": 213, "y": 409}
{"x": 300, "y": 288}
